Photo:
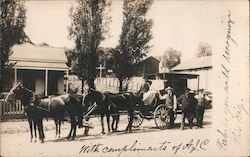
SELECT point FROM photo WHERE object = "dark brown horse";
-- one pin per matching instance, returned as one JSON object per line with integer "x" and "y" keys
{"x": 109, "y": 102}
{"x": 36, "y": 112}
{"x": 92, "y": 97}
{"x": 56, "y": 107}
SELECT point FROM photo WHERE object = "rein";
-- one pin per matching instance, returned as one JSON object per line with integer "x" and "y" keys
{"x": 31, "y": 91}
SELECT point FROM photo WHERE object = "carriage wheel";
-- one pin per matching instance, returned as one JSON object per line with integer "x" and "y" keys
{"x": 137, "y": 121}
{"x": 161, "y": 116}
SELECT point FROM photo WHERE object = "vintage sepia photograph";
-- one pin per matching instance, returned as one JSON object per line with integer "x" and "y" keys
{"x": 124, "y": 78}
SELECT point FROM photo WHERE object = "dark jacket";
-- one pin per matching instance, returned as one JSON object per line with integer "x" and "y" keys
{"x": 193, "y": 103}
{"x": 188, "y": 103}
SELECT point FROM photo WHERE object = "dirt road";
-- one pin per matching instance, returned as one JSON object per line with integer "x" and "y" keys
{"x": 146, "y": 140}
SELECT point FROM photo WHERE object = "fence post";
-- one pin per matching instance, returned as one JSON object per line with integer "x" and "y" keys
{"x": 1, "y": 105}
{"x": 3, "y": 108}
{"x": 6, "y": 108}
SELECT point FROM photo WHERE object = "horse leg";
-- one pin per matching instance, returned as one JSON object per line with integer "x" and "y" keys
{"x": 59, "y": 133}
{"x": 69, "y": 135}
{"x": 35, "y": 128}
{"x": 40, "y": 129}
{"x": 72, "y": 121}
{"x": 56, "y": 126}
{"x": 31, "y": 129}
{"x": 74, "y": 131}
{"x": 117, "y": 121}
{"x": 108, "y": 121}
{"x": 131, "y": 117}
{"x": 113, "y": 123}
{"x": 102, "y": 116}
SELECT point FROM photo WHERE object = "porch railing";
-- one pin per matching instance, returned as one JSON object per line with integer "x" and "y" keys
{"x": 11, "y": 110}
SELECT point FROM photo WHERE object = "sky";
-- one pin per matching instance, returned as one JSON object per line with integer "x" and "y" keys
{"x": 181, "y": 25}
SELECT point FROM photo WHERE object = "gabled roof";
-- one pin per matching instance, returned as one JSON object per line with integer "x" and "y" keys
{"x": 28, "y": 56}
{"x": 150, "y": 58}
{"x": 29, "y": 52}
{"x": 194, "y": 63}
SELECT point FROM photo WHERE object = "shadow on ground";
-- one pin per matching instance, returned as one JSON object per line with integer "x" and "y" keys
{"x": 139, "y": 130}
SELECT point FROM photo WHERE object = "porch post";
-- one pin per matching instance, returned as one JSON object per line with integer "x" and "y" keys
{"x": 67, "y": 81}
{"x": 198, "y": 83}
{"x": 46, "y": 82}
{"x": 15, "y": 77}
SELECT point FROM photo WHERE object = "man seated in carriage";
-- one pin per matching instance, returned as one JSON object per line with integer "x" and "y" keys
{"x": 170, "y": 102}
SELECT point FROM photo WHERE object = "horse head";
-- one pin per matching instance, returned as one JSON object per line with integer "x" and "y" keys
{"x": 19, "y": 92}
{"x": 14, "y": 91}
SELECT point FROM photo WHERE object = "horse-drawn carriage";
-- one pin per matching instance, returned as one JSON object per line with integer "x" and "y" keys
{"x": 105, "y": 102}
{"x": 156, "y": 108}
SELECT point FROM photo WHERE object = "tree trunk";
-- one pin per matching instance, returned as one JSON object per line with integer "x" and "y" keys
{"x": 120, "y": 87}
{"x": 82, "y": 85}
{"x": 91, "y": 83}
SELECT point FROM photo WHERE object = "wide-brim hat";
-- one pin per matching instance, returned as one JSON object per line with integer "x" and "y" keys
{"x": 206, "y": 93}
{"x": 192, "y": 92}
{"x": 169, "y": 88}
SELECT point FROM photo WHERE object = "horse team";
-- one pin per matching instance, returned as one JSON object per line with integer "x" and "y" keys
{"x": 76, "y": 106}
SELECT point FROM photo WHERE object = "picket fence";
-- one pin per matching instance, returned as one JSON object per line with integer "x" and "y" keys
{"x": 11, "y": 110}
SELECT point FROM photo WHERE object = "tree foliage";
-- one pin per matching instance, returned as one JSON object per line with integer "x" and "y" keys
{"x": 12, "y": 25}
{"x": 88, "y": 27}
{"x": 134, "y": 38}
{"x": 204, "y": 49}
{"x": 105, "y": 54}
{"x": 170, "y": 58}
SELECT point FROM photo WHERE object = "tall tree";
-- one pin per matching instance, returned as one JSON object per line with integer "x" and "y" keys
{"x": 169, "y": 59}
{"x": 90, "y": 23}
{"x": 12, "y": 25}
{"x": 204, "y": 49}
{"x": 135, "y": 36}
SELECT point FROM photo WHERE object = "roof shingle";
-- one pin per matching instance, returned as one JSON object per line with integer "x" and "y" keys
{"x": 28, "y": 56}
{"x": 194, "y": 63}
{"x": 29, "y": 52}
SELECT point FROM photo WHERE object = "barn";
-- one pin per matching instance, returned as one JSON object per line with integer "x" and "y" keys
{"x": 42, "y": 68}
{"x": 201, "y": 66}
{"x": 147, "y": 66}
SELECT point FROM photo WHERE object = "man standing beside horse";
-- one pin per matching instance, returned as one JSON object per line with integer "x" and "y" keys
{"x": 187, "y": 108}
{"x": 200, "y": 108}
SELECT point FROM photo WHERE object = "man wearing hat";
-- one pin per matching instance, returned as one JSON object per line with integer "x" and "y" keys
{"x": 184, "y": 100}
{"x": 171, "y": 102}
{"x": 200, "y": 108}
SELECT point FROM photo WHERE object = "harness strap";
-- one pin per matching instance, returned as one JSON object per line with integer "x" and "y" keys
{"x": 92, "y": 108}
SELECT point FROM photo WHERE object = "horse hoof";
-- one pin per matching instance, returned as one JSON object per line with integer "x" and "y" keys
{"x": 42, "y": 141}
{"x": 102, "y": 133}
{"x": 128, "y": 131}
{"x": 107, "y": 133}
{"x": 85, "y": 134}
